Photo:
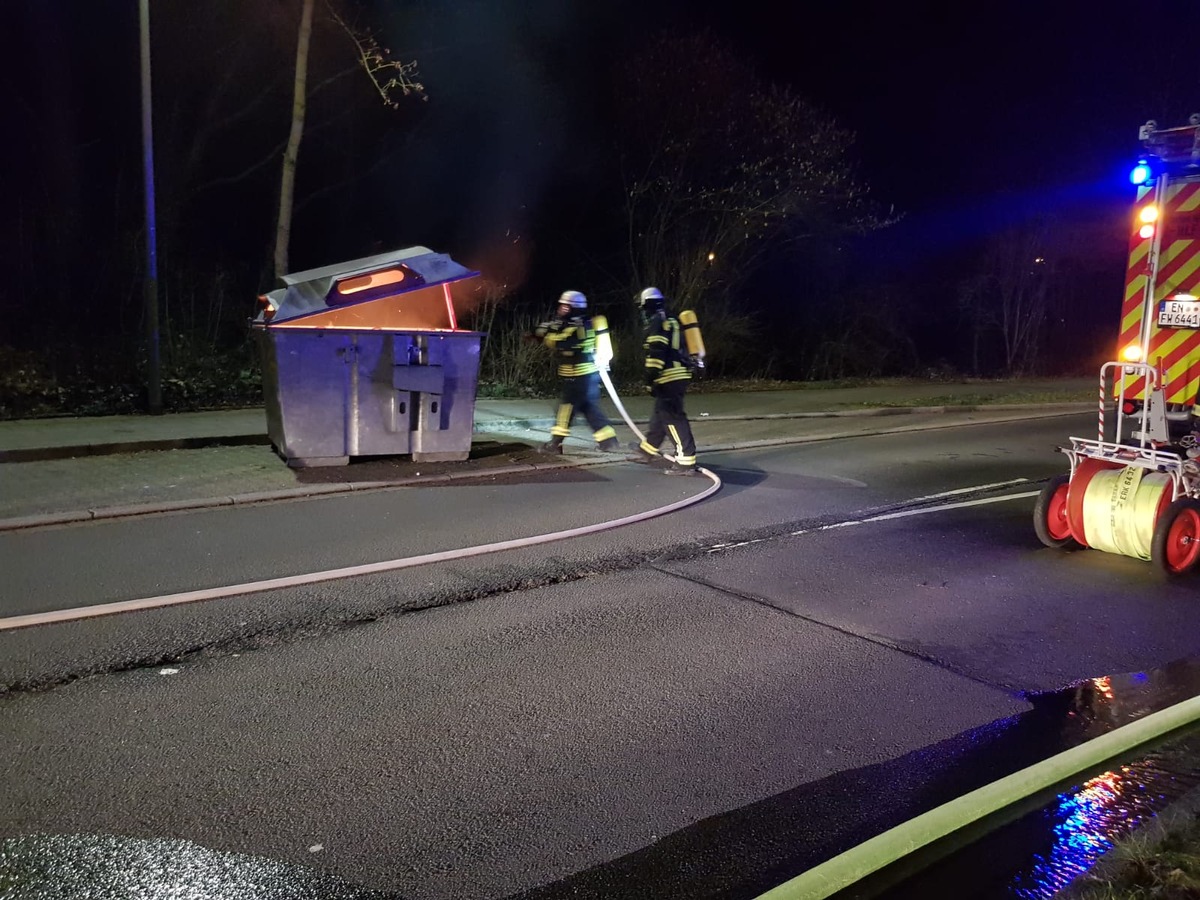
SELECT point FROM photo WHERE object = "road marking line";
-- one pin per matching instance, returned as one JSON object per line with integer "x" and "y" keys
{"x": 270, "y": 584}
{"x": 945, "y": 506}
{"x": 905, "y": 513}
{"x": 970, "y": 490}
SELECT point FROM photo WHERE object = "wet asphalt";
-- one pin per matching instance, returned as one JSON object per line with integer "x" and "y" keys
{"x": 779, "y": 837}
{"x": 1033, "y": 850}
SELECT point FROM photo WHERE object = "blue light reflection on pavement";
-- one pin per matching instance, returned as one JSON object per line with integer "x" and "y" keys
{"x": 1089, "y": 819}
{"x": 1086, "y": 823}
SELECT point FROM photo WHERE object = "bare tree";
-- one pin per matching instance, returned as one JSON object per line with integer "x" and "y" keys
{"x": 720, "y": 168}
{"x": 389, "y": 77}
{"x": 1011, "y": 296}
{"x": 283, "y": 227}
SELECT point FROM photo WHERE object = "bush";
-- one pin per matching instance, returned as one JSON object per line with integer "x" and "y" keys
{"x": 75, "y": 381}
{"x": 27, "y": 389}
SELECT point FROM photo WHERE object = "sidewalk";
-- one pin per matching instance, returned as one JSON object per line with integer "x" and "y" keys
{"x": 77, "y": 469}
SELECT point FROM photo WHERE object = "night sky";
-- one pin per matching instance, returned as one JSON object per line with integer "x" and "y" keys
{"x": 959, "y": 108}
{"x": 967, "y": 115}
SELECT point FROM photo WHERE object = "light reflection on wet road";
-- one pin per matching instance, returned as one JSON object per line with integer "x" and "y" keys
{"x": 1038, "y": 854}
{"x": 104, "y": 867}
{"x": 1029, "y": 858}
{"x": 743, "y": 852}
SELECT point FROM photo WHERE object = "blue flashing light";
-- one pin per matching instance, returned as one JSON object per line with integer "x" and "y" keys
{"x": 1144, "y": 172}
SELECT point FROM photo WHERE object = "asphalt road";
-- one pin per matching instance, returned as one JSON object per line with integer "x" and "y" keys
{"x": 481, "y": 728}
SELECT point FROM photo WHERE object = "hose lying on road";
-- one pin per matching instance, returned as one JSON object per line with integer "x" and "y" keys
{"x": 107, "y": 609}
{"x": 872, "y": 855}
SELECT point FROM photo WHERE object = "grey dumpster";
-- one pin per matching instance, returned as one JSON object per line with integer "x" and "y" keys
{"x": 365, "y": 358}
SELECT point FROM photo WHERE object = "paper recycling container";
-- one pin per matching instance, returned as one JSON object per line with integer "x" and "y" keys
{"x": 365, "y": 358}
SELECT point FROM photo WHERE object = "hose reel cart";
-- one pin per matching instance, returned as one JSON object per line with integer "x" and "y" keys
{"x": 1139, "y": 498}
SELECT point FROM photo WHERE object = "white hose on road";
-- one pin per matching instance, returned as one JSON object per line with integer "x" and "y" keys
{"x": 122, "y": 606}
{"x": 108, "y": 609}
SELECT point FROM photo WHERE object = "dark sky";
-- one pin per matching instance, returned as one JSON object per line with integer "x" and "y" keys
{"x": 965, "y": 112}
{"x": 971, "y": 115}
{"x": 959, "y": 99}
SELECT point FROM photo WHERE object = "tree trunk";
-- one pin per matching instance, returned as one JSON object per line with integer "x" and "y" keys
{"x": 283, "y": 228}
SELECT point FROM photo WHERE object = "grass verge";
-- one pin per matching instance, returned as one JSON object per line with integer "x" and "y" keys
{"x": 1164, "y": 865}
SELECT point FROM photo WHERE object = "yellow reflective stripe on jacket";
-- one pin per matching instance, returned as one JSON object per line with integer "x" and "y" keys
{"x": 675, "y": 373}
{"x": 664, "y": 361}
{"x": 575, "y": 346}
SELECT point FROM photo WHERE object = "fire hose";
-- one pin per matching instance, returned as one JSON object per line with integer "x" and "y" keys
{"x": 66, "y": 615}
{"x": 612, "y": 392}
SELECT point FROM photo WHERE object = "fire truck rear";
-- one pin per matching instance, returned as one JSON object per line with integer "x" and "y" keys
{"x": 1135, "y": 488}
{"x": 1160, "y": 314}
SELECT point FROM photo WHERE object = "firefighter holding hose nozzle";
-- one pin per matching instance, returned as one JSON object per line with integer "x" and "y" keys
{"x": 571, "y": 335}
{"x": 668, "y": 373}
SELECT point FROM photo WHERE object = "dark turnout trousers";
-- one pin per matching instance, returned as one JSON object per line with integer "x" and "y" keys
{"x": 581, "y": 394}
{"x": 670, "y": 419}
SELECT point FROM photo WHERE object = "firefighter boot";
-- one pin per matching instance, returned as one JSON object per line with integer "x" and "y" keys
{"x": 610, "y": 445}
{"x": 554, "y": 445}
{"x": 676, "y": 469}
{"x": 638, "y": 455}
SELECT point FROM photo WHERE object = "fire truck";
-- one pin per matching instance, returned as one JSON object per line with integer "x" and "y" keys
{"x": 1134, "y": 489}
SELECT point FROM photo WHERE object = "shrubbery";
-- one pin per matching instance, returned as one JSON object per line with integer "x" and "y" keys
{"x": 68, "y": 381}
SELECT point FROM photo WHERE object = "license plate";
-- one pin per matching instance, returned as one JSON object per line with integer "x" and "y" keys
{"x": 1179, "y": 314}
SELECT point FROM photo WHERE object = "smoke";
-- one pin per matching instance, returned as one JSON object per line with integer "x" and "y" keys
{"x": 508, "y": 120}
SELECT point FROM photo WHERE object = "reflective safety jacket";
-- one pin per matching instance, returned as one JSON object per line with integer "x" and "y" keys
{"x": 573, "y": 341}
{"x": 666, "y": 353}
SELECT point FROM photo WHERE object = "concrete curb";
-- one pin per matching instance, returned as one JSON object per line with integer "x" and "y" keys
{"x": 577, "y": 460}
{"x": 75, "y": 451}
{"x": 545, "y": 423}
{"x": 144, "y": 509}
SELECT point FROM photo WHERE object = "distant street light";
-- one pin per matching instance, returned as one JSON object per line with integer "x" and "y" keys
{"x": 154, "y": 375}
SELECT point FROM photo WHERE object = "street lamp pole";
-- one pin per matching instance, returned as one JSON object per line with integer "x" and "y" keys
{"x": 154, "y": 384}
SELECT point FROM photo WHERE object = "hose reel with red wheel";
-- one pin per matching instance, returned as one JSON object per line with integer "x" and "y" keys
{"x": 1129, "y": 510}
{"x": 1130, "y": 491}
{"x": 1176, "y": 546}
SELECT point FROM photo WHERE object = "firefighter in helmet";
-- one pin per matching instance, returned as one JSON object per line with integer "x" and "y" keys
{"x": 668, "y": 373}
{"x": 571, "y": 335}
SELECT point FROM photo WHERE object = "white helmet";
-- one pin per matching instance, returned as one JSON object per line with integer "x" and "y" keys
{"x": 651, "y": 301}
{"x": 573, "y": 299}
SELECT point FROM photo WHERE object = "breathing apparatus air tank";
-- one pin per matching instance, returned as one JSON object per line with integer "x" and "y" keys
{"x": 604, "y": 347}
{"x": 691, "y": 335}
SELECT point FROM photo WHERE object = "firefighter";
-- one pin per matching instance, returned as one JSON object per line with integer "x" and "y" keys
{"x": 572, "y": 336}
{"x": 668, "y": 373}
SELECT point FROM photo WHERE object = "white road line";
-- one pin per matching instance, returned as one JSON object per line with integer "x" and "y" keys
{"x": 970, "y": 490}
{"x": 270, "y": 584}
{"x": 945, "y": 506}
{"x": 905, "y": 513}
